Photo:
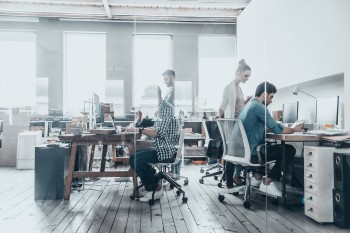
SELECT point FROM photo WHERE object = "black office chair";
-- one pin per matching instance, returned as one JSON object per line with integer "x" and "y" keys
{"x": 214, "y": 145}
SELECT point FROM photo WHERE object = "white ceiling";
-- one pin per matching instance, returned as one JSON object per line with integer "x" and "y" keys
{"x": 224, "y": 11}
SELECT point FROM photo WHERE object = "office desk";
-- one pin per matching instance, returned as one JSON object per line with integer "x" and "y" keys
{"x": 283, "y": 138}
{"x": 93, "y": 139}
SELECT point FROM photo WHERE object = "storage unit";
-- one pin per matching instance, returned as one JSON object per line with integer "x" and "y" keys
{"x": 27, "y": 141}
{"x": 319, "y": 182}
{"x": 51, "y": 166}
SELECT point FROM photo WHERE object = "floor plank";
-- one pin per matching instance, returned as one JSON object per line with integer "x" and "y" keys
{"x": 104, "y": 205}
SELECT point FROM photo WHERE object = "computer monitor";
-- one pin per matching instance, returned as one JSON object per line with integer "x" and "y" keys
{"x": 99, "y": 114}
{"x": 327, "y": 110}
{"x": 290, "y": 112}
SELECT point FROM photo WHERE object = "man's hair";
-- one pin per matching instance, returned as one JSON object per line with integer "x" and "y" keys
{"x": 270, "y": 88}
{"x": 169, "y": 73}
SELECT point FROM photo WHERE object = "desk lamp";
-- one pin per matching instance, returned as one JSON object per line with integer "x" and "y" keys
{"x": 297, "y": 89}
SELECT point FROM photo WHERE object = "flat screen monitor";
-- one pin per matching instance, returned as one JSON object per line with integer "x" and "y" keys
{"x": 327, "y": 110}
{"x": 98, "y": 109}
{"x": 290, "y": 112}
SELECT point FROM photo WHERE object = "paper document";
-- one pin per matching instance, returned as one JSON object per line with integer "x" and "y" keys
{"x": 343, "y": 138}
{"x": 329, "y": 132}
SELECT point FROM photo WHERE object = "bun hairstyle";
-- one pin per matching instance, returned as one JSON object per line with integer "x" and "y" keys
{"x": 242, "y": 66}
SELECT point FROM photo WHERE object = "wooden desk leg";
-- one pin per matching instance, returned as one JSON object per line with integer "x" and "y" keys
{"x": 283, "y": 143}
{"x": 91, "y": 157}
{"x": 103, "y": 161}
{"x": 69, "y": 177}
{"x": 135, "y": 183}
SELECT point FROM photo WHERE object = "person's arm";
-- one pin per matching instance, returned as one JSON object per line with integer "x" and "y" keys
{"x": 150, "y": 132}
{"x": 297, "y": 128}
{"x": 272, "y": 124}
{"x": 223, "y": 105}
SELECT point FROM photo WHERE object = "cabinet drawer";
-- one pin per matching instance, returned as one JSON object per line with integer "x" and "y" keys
{"x": 310, "y": 199}
{"x": 311, "y": 211}
{"x": 310, "y": 165}
{"x": 311, "y": 176}
{"x": 310, "y": 187}
{"x": 311, "y": 154}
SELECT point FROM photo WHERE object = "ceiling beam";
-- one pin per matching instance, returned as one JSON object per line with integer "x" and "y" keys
{"x": 108, "y": 11}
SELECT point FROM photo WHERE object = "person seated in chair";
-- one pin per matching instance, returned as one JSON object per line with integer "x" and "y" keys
{"x": 256, "y": 118}
{"x": 166, "y": 137}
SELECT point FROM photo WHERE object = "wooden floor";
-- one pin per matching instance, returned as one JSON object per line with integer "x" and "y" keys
{"x": 105, "y": 206}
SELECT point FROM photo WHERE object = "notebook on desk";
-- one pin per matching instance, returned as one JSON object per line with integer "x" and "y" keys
{"x": 327, "y": 132}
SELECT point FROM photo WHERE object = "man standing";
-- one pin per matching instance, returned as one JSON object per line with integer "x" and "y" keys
{"x": 169, "y": 80}
{"x": 256, "y": 118}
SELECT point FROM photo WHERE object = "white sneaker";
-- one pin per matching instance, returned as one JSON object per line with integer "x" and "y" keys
{"x": 148, "y": 196}
{"x": 270, "y": 189}
{"x": 254, "y": 182}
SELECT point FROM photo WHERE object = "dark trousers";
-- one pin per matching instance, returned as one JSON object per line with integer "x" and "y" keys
{"x": 274, "y": 152}
{"x": 139, "y": 163}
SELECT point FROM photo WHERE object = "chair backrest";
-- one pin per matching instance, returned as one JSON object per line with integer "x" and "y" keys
{"x": 213, "y": 140}
{"x": 180, "y": 147}
{"x": 236, "y": 144}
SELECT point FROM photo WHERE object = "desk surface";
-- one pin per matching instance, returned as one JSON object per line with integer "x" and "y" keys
{"x": 298, "y": 137}
{"x": 99, "y": 137}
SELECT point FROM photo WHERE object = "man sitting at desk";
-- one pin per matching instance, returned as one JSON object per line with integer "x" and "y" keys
{"x": 166, "y": 137}
{"x": 255, "y": 117}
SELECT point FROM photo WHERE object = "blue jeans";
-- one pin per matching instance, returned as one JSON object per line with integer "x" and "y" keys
{"x": 139, "y": 162}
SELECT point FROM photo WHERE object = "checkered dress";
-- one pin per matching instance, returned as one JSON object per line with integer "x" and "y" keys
{"x": 167, "y": 128}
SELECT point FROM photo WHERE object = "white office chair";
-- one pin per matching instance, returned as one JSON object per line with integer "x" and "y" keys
{"x": 237, "y": 151}
{"x": 162, "y": 174}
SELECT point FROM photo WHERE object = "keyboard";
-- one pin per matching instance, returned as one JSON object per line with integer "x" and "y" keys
{"x": 328, "y": 132}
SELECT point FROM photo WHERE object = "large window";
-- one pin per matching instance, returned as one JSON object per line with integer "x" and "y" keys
{"x": 84, "y": 69}
{"x": 152, "y": 55}
{"x": 17, "y": 69}
{"x": 217, "y": 65}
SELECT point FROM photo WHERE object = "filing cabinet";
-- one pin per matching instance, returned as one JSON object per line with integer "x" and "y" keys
{"x": 319, "y": 181}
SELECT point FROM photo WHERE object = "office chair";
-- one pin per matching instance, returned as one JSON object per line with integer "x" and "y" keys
{"x": 214, "y": 145}
{"x": 237, "y": 151}
{"x": 162, "y": 173}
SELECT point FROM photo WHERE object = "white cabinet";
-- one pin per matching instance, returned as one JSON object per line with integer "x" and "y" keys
{"x": 319, "y": 182}
{"x": 27, "y": 141}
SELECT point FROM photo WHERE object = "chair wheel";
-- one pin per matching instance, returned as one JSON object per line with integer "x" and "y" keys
{"x": 185, "y": 182}
{"x": 184, "y": 199}
{"x": 221, "y": 197}
{"x": 215, "y": 177}
{"x": 246, "y": 204}
{"x": 178, "y": 192}
{"x": 274, "y": 201}
{"x": 172, "y": 186}
{"x": 201, "y": 180}
{"x": 202, "y": 170}
{"x": 151, "y": 202}
{"x": 219, "y": 185}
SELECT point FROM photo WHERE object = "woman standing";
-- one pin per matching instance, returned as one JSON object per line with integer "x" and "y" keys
{"x": 231, "y": 105}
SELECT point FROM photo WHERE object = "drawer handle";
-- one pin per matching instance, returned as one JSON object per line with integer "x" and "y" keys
{"x": 310, "y": 186}
{"x": 310, "y": 153}
{"x": 309, "y": 198}
{"x": 310, "y": 209}
{"x": 310, "y": 165}
{"x": 309, "y": 176}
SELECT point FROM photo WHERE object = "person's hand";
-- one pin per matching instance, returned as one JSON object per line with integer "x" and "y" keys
{"x": 130, "y": 129}
{"x": 298, "y": 127}
{"x": 215, "y": 117}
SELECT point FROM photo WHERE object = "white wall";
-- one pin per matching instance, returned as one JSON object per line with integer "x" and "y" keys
{"x": 293, "y": 41}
